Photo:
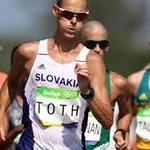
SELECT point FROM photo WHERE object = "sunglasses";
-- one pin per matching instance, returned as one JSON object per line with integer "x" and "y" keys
{"x": 91, "y": 44}
{"x": 81, "y": 16}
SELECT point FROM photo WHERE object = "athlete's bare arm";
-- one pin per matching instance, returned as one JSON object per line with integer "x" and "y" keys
{"x": 123, "y": 100}
{"x": 119, "y": 88}
{"x": 100, "y": 105}
{"x": 22, "y": 63}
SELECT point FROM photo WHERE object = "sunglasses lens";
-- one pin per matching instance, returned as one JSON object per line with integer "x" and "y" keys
{"x": 81, "y": 16}
{"x": 90, "y": 44}
{"x": 69, "y": 15}
{"x": 104, "y": 44}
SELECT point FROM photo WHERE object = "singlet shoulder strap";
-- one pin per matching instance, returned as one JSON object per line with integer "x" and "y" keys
{"x": 82, "y": 55}
{"x": 43, "y": 47}
{"x": 143, "y": 82}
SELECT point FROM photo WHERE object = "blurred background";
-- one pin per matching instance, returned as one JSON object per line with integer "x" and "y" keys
{"x": 128, "y": 23}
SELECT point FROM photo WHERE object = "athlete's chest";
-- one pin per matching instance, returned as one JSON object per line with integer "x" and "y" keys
{"x": 49, "y": 72}
{"x": 142, "y": 95}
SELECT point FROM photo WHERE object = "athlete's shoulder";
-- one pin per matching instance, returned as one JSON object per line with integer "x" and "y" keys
{"x": 25, "y": 54}
{"x": 118, "y": 80}
{"x": 28, "y": 49}
{"x": 134, "y": 80}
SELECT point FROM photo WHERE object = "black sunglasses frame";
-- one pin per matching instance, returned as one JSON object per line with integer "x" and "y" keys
{"x": 81, "y": 16}
{"x": 91, "y": 44}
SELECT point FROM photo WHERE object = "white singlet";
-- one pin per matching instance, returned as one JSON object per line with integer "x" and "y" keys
{"x": 53, "y": 108}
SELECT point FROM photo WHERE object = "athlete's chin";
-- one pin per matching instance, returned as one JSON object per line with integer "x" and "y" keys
{"x": 70, "y": 36}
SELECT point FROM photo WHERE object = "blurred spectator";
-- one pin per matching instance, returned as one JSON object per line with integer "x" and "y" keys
{"x": 15, "y": 110}
{"x": 13, "y": 126}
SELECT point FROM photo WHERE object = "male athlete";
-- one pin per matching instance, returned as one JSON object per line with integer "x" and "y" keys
{"x": 95, "y": 36}
{"x": 61, "y": 84}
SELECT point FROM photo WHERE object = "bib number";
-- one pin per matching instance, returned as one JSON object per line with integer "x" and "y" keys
{"x": 93, "y": 129}
{"x": 143, "y": 123}
{"x": 56, "y": 106}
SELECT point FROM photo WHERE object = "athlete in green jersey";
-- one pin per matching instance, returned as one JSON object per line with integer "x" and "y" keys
{"x": 94, "y": 130}
{"x": 94, "y": 36}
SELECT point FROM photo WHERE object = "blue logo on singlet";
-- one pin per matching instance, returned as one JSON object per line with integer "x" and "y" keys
{"x": 41, "y": 66}
{"x": 56, "y": 79}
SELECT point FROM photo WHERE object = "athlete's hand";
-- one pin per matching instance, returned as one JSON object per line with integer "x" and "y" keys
{"x": 19, "y": 128}
{"x": 120, "y": 142}
{"x": 83, "y": 76}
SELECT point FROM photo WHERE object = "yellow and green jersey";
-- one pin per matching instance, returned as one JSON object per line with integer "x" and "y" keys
{"x": 142, "y": 107}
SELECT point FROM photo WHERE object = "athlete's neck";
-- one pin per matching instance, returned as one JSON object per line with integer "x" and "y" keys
{"x": 65, "y": 44}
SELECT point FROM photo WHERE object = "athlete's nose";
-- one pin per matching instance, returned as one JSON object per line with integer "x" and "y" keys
{"x": 97, "y": 48}
{"x": 74, "y": 19}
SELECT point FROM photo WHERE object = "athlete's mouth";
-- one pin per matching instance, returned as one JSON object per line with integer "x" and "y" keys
{"x": 72, "y": 29}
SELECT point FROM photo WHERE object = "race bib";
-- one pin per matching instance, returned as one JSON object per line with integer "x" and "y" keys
{"x": 143, "y": 123}
{"x": 56, "y": 106}
{"x": 93, "y": 129}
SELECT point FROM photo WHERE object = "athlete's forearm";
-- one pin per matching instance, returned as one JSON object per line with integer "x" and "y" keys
{"x": 124, "y": 121}
{"x": 125, "y": 111}
{"x": 102, "y": 110}
{"x": 101, "y": 104}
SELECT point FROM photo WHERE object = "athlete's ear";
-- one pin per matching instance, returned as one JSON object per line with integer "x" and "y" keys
{"x": 55, "y": 10}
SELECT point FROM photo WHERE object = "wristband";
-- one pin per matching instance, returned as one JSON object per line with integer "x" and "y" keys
{"x": 89, "y": 95}
{"x": 122, "y": 131}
